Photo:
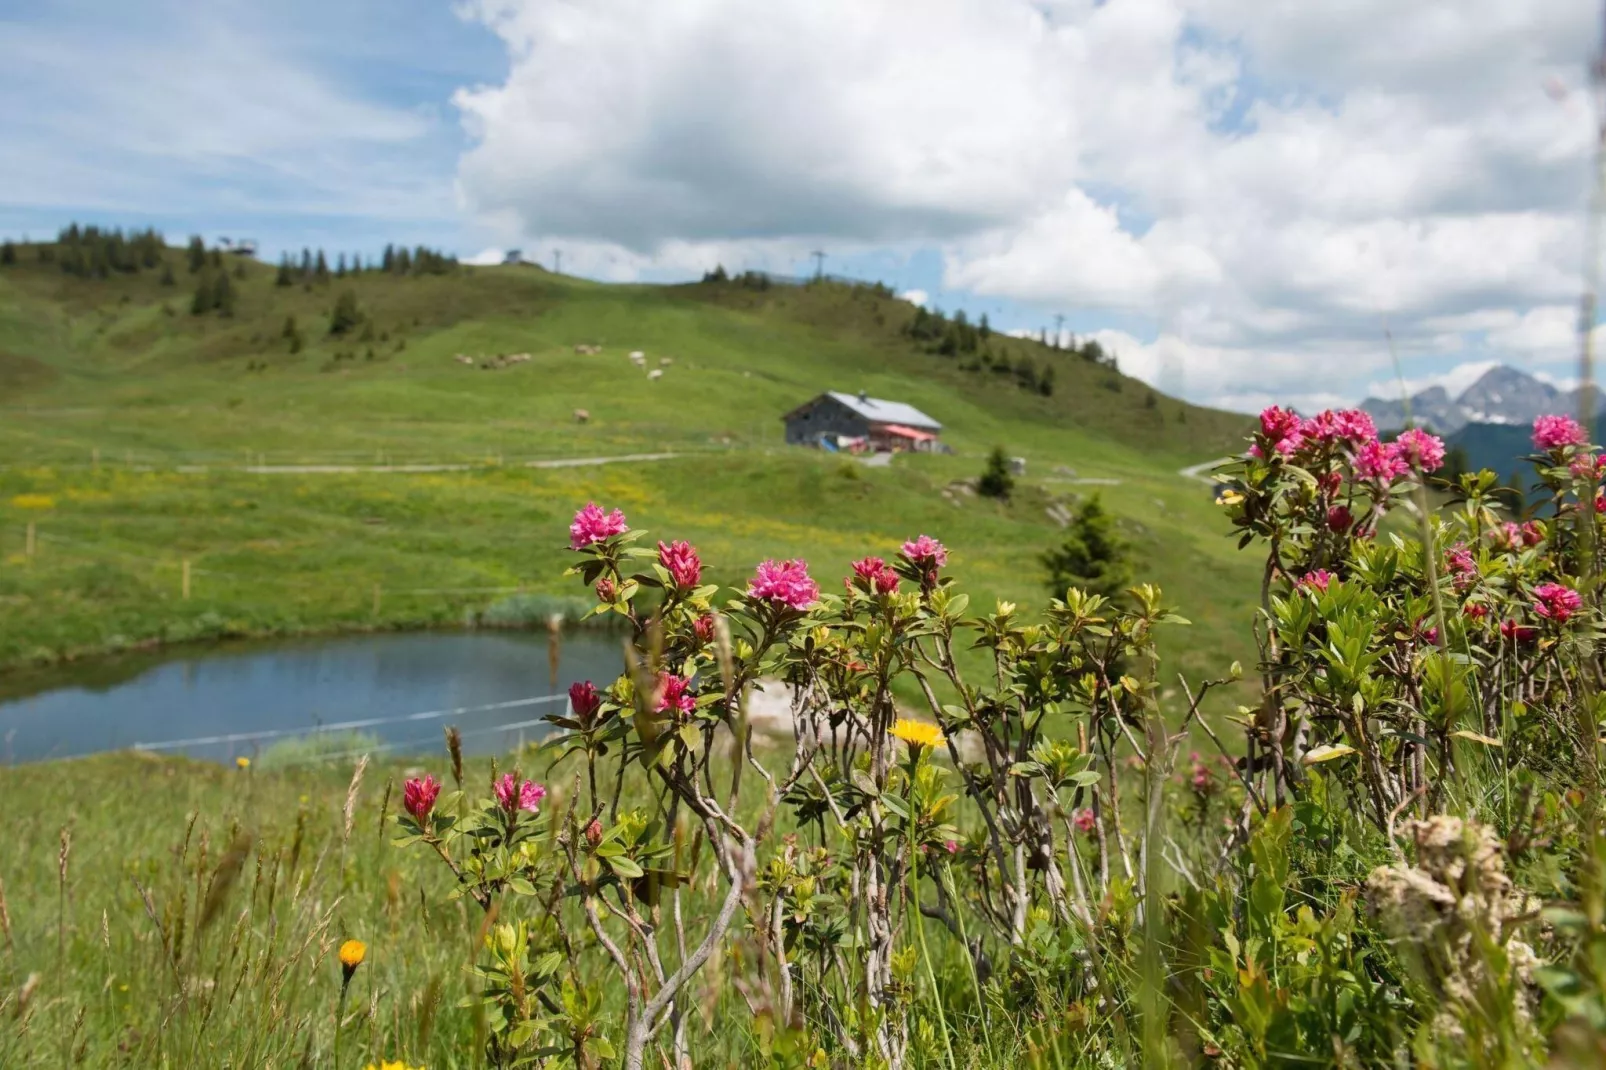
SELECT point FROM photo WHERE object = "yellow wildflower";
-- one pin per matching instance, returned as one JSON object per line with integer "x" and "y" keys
{"x": 351, "y": 956}
{"x": 917, "y": 733}
{"x": 33, "y": 501}
{"x": 1229, "y": 497}
{"x": 242, "y": 762}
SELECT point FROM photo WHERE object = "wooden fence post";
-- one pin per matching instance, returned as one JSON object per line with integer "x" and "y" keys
{"x": 186, "y": 580}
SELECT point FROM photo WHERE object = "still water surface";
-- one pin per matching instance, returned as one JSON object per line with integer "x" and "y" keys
{"x": 244, "y": 699}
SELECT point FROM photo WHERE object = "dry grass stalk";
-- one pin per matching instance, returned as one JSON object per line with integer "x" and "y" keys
{"x": 351, "y": 796}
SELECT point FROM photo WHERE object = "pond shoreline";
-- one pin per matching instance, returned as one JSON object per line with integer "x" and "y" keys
{"x": 27, "y": 670}
{"x": 235, "y": 698}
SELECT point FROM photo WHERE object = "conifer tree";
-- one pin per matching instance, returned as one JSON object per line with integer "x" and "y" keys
{"x": 196, "y": 252}
{"x": 387, "y": 263}
{"x": 321, "y": 270}
{"x": 201, "y": 303}
{"x": 1092, "y": 557}
{"x": 996, "y": 480}
{"x": 167, "y": 274}
{"x": 346, "y": 314}
{"x": 340, "y": 266}
{"x": 223, "y": 294}
{"x": 306, "y": 263}
{"x": 283, "y": 278}
{"x": 8, "y": 253}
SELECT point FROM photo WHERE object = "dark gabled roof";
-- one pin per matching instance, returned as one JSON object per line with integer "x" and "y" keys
{"x": 876, "y": 410}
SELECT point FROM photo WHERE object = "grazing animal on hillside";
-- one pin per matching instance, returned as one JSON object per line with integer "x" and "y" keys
{"x": 581, "y": 416}
{"x": 656, "y": 373}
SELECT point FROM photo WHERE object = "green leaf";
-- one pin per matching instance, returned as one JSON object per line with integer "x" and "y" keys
{"x": 625, "y": 867}
{"x": 1326, "y": 753}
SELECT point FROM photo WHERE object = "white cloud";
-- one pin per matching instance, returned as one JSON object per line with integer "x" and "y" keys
{"x": 916, "y": 297}
{"x": 486, "y": 258}
{"x": 1270, "y": 181}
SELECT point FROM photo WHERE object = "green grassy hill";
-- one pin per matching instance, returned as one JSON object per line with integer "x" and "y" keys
{"x": 126, "y": 424}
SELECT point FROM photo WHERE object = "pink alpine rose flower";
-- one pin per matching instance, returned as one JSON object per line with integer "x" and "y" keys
{"x": 1585, "y": 466}
{"x": 1337, "y": 425}
{"x": 1084, "y": 821}
{"x": 925, "y": 552}
{"x": 703, "y": 628}
{"x": 1316, "y": 581}
{"x": 1558, "y": 432}
{"x": 1518, "y": 633}
{"x": 1377, "y": 461}
{"x": 607, "y": 590}
{"x": 1475, "y": 610}
{"x": 418, "y": 796}
{"x": 674, "y": 694}
{"x": 1339, "y": 518}
{"x": 1462, "y": 565}
{"x": 865, "y": 570}
{"x": 1282, "y": 428}
{"x": 680, "y": 560}
{"x": 515, "y": 795}
{"x": 592, "y": 525}
{"x": 584, "y": 700}
{"x": 1420, "y": 450}
{"x": 1556, "y": 602}
{"x": 784, "y": 582}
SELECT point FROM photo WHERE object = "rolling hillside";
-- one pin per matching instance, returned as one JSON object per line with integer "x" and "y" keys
{"x": 127, "y": 424}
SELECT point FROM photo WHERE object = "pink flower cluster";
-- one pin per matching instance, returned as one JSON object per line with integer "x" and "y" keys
{"x": 680, "y": 560}
{"x": 584, "y": 700}
{"x": 1316, "y": 582}
{"x": 874, "y": 574}
{"x": 1287, "y": 434}
{"x": 592, "y": 525}
{"x": 1558, "y": 432}
{"x": 1341, "y": 425}
{"x": 703, "y": 628}
{"x": 1084, "y": 821}
{"x": 925, "y": 553}
{"x": 1556, "y": 602}
{"x": 784, "y": 582}
{"x": 1281, "y": 428}
{"x": 515, "y": 795}
{"x": 1509, "y": 536}
{"x": 674, "y": 694}
{"x": 1462, "y": 565}
{"x": 418, "y": 796}
{"x": 1518, "y": 633}
{"x": 1387, "y": 461}
{"x": 1420, "y": 450}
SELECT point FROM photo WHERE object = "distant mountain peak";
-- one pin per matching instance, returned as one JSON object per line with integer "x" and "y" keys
{"x": 1501, "y": 395}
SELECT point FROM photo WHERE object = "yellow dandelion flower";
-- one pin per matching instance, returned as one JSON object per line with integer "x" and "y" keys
{"x": 242, "y": 762}
{"x": 917, "y": 733}
{"x": 33, "y": 501}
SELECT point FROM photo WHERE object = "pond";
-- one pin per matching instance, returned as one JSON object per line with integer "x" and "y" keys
{"x": 285, "y": 701}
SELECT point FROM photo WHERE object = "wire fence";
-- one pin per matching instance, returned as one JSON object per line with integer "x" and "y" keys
{"x": 260, "y": 736}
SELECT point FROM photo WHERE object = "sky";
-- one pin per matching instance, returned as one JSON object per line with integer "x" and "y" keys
{"x": 1243, "y": 199}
